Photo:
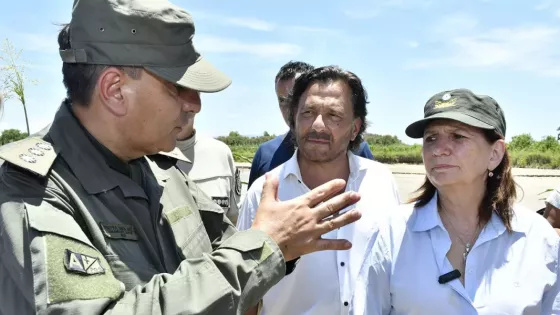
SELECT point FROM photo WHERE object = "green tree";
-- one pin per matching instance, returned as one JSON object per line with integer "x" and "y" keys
{"x": 521, "y": 142}
{"x": 382, "y": 140}
{"x": 11, "y": 135}
{"x": 549, "y": 143}
{"x": 12, "y": 76}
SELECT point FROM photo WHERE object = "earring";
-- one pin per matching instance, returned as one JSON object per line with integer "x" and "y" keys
{"x": 490, "y": 174}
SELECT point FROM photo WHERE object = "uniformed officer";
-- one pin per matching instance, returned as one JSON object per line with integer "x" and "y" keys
{"x": 211, "y": 167}
{"x": 96, "y": 218}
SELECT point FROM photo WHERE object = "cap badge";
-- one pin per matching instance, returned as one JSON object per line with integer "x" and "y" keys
{"x": 446, "y": 97}
{"x": 444, "y": 103}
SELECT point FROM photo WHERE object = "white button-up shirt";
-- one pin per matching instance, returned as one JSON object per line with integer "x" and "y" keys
{"x": 506, "y": 273}
{"x": 322, "y": 282}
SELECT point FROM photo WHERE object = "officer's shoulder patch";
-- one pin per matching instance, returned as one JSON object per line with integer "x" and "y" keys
{"x": 32, "y": 154}
{"x": 238, "y": 184}
{"x": 82, "y": 263}
{"x": 75, "y": 271}
{"x": 176, "y": 154}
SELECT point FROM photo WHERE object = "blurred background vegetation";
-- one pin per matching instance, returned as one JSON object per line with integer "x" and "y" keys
{"x": 525, "y": 151}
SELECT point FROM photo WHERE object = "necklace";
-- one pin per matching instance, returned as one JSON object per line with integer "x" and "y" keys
{"x": 468, "y": 245}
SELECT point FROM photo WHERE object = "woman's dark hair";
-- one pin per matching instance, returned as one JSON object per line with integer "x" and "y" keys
{"x": 329, "y": 74}
{"x": 500, "y": 190}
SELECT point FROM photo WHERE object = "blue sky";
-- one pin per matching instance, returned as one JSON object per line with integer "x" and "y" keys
{"x": 404, "y": 51}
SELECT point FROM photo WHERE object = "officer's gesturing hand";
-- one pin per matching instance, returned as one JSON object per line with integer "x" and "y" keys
{"x": 298, "y": 224}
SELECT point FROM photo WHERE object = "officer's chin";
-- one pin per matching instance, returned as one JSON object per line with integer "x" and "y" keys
{"x": 169, "y": 144}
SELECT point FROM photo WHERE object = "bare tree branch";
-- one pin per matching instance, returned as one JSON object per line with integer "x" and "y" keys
{"x": 12, "y": 76}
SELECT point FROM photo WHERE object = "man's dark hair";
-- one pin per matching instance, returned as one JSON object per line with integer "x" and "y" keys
{"x": 80, "y": 79}
{"x": 330, "y": 74}
{"x": 291, "y": 69}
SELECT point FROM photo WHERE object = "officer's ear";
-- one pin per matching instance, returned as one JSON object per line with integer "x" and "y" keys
{"x": 110, "y": 87}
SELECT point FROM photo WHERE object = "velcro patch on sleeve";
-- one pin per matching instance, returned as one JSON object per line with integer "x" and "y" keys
{"x": 265, "y": 252}
{"x": 81, "y": 263}
{"x": 76, "y": 271}
{"x": 177, "y": 214}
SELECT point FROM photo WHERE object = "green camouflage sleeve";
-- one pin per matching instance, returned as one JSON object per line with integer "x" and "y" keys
{"x": 50, "y": 266}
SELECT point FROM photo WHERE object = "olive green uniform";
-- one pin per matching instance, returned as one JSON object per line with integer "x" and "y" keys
{"x": 213, "y": 170}
{"x": 81, "y": 234}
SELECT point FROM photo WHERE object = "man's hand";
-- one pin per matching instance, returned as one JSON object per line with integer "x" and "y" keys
{"x": 297, "y": 225}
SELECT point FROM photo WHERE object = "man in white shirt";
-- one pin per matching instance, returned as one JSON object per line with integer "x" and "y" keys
{"x": 211, "y": 167}
{"x": 328, "y": 117}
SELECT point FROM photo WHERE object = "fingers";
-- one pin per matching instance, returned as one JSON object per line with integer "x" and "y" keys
{"x": 323, "y": 192}
{"x": 270, "y": 188}
{"x": 331, "y": 244}
{"x": 335, "y": 204}
{"x": 338, "y": 222}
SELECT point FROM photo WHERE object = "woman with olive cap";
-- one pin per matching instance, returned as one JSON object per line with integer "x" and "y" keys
{"x": 461, "y": 246}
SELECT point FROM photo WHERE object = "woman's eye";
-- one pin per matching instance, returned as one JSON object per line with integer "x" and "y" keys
{"x": 429, "y": 138}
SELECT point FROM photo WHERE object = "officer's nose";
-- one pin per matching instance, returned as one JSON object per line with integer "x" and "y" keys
{"x": 190, "y": 100}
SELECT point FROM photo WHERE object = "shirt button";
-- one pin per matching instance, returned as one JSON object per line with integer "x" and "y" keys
{"x": 345, "y": 303}
{"x": 342, "y": 264}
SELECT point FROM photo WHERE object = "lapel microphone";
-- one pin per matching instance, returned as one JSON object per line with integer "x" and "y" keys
{"x": 450, "y": 276}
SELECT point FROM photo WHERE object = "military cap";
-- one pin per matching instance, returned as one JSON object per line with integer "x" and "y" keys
{"x": 155, "y": 35}
{"x": 554, "y": 198}
{"x": 464, "y": 106}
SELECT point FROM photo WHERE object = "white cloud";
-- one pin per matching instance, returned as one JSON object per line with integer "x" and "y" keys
{"x": 31, "y": 42}
{"x": 525, "y": 48}
{"x": 215, "y": 44}
{"x": 251, "y": 23}
{"x": 407, "y": 4}
{"x": 260, "y": 25}
{"x": 361, "y": 14}
{"x": 367, "y": 10}
{"x": 312, "y": 29}
{"x": 45, "y": 43}
{"x": 453, "y": 24}
{"x": 245, "y": 22}
{"x": 543, "y": 5}
{"x": 412, "y": 44}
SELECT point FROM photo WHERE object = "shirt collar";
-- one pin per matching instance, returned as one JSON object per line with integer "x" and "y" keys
{"x": 84, "y": 157}
{"x": 187, "y": 144}
{"x": 427, "y": 218}
{"x": 291, "y": 167}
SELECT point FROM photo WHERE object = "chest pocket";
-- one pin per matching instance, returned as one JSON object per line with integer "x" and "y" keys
{"x": 189, "y": 231}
